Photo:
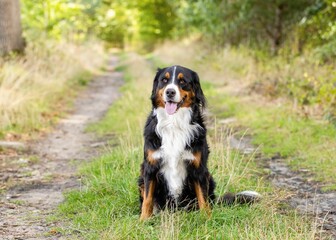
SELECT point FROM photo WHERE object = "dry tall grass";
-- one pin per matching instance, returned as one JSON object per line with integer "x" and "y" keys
{"x": 32, "y": 85}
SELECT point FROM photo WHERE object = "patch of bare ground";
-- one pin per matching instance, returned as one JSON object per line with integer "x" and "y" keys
{"x": 305, "y": 195}
{"x": 34, "y": 181}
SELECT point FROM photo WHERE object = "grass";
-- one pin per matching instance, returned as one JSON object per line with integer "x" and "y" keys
{"x": 107, "y": 206}
{"x": 122, "y": 112}
{"x": 36, "y": 87}
{"x": 304, "y": 143}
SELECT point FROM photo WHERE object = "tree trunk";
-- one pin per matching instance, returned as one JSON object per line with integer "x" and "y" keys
{"x": 277, "y": 32}
{"x": 10, "y": 27}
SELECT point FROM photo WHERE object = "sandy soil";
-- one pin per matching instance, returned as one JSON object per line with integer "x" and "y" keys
{"x": 38, "y": 178}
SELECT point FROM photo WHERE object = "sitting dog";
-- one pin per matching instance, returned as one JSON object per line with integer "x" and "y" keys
{"x": 174, "y": 172}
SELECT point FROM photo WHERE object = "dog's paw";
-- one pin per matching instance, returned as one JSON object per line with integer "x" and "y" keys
{"x": 144, "y": 216}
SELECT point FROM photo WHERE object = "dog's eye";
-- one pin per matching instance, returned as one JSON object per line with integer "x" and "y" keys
{"x": 164, "y": 80}
{"x": 182, "y": 81}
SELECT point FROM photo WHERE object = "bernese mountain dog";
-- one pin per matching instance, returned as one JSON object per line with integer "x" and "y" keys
{"x": 174, "y": 171}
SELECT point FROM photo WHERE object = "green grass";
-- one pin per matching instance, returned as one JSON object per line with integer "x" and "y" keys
{"x": 108, "y": 209}
{"x": 107, "y": 206}
{"x": 304, "y": 143}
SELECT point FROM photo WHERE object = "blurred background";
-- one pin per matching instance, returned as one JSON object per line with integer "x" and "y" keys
{"x": 282, "y": 47}
{"x": 276, "y": 27}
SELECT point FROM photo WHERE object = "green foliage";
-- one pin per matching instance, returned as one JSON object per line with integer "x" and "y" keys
{"x": 327, "y": 52}
{"x": 116, "y": 22}
{"x": 318, "y": 27}
{"x": 311, "y": 90}
{"x": 266, "y": 25}
{"x": 253, "y": 22}
{"x": 156, "y": 21}
{"x": 304, "y": 81}
{"x": 56, "y": 18}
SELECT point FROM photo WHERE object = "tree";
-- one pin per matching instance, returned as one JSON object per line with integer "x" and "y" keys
{"x": 155, "y": 23}
{"x": 10, "y": 27}
{"x": 141, "y": 23}
{"x": 264, "y": 24}
{"x": 274, "y": 19}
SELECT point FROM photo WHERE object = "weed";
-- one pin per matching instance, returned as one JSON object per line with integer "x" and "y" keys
{"x": 18, "y": 202}
{"x": 33, "y": 159}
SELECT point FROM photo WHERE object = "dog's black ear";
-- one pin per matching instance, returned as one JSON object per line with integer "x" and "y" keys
{"x": 200, "y": 98}
{"x": 155, "y": 84}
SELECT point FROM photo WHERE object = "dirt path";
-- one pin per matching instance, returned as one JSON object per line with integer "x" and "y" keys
{"x": 306, "y": 196}
{"x": 39, "y": 178}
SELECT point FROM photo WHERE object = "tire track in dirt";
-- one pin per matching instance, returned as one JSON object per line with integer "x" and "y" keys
{"x": 306, "y": 196}
{"x": 39, "y": 178}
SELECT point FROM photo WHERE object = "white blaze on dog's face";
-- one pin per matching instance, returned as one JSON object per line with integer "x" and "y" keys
{"x": 171, "y": 95}
{"x": 174, "y": 89}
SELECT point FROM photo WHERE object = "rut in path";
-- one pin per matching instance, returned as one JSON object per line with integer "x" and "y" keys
{"x": 306, "y": 196}
{"x": 37, "y": 188}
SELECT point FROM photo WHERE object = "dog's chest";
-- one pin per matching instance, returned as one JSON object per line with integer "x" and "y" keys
{"x": 176, "y": 133}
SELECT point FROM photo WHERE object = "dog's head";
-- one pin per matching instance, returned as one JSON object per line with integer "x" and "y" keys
{"x": 177, "y": 87}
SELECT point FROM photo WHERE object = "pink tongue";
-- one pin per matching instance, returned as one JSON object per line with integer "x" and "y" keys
{"x": 170, "y": 108}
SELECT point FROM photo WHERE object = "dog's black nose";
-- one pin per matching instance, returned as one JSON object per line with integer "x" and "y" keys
{"x": 170, "y": 92}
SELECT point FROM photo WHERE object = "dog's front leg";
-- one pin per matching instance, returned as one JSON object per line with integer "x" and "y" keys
{"x": 202, "y": 199}
{"x": 148, "y": 199}
{"x": 150, "y": 168}
{"x": 201, "y": 183}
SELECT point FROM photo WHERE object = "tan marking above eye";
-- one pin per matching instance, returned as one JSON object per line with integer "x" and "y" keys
{"x": 167, "y": 75}
{"x": 180, "y": 76}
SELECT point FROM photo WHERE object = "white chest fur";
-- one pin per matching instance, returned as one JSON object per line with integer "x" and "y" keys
{"x": 176, "y": 133}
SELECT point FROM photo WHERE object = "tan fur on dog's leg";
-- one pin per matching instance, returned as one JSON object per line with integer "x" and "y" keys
{"x": 148, "y": 202}
{"x": 202, "y": 202}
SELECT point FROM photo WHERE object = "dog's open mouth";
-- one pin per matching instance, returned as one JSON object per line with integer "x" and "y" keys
{"x": 171, "y": 107}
